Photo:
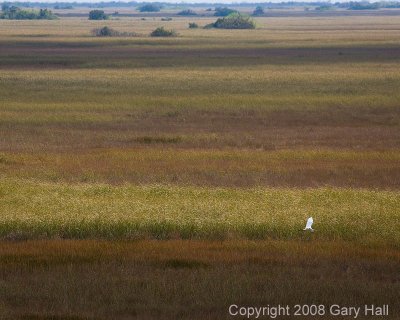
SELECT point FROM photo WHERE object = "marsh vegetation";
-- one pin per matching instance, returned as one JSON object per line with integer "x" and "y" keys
{"x": 197, "y": 159}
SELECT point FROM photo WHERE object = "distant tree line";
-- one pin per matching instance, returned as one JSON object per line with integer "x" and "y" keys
{"x": 114, "y": 4}
{"x": 223, "y": 11}
{"x": 187, "y": 12}
{"x": 364, "y": 5}
{"x": 11, "y": 12}
{"x": 63, "y": 7}
{"x": 219, "y": 10}
{"x": 324, "y": 8}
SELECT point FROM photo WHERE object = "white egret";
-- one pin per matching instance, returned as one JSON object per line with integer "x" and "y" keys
{"x": 309, "y": 224}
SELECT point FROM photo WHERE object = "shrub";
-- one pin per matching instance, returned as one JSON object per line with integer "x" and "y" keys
{"x": 193, "y": 25}
{"x": 259, "y": 11}
{"x": 15, "y": 13}
{"x": 162, "y": 32}
{"x": 46, "y": 14}
{"x": 187, "y": 12}
{"x": 109, "y": 32}
{"x": 149, "y": 8}
{"x": 97, "y": 15}
{"x": 166, "y": 19}
{"x": 104, "y": 32}
{"x": 235, "y": 21}
{"x": 155, "y": 139}
{"x": 223, "y": 12}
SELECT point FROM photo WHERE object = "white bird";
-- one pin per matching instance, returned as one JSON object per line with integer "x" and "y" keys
{"x": 309, "y": 224}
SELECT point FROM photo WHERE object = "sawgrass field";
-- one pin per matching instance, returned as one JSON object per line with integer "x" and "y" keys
{"x": 168, "y": 178}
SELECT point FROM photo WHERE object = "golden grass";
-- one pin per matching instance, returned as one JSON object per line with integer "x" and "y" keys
{"x": 32, "y": 209}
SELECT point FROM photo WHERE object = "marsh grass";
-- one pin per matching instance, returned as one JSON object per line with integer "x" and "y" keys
{"x": 352, "y": 106}
{"x": 188, "y": 279}
{"x": 37, "y": 210}
{"x": 298, "y": 103}
{"x": 207, "y": 167}
{"x": 232, "y": 136}
{"x": 302, "y": 83}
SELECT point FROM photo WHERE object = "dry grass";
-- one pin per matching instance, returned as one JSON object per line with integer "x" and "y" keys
{"x": 352, "y": 106}
{"x": 240, "y": 168}
{"x": 289, "y": 30}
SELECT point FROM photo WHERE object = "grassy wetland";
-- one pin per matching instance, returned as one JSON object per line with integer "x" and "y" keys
{"x": 167, "y": 178}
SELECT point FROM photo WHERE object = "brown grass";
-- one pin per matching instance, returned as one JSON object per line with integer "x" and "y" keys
{"x": 188, "y": 279}
{"x": 240, "y": 168}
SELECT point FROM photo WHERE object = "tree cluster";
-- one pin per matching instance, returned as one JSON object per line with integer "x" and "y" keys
{"x": 234, "y": 21}
{"x": 12, "y": 12}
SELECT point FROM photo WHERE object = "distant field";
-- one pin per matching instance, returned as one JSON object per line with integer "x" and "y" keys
{"x": 168, "y": 178}
{"x": 290, "y": 84}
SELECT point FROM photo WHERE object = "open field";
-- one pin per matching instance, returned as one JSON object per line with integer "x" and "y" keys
{"x": 168, "y": 178}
